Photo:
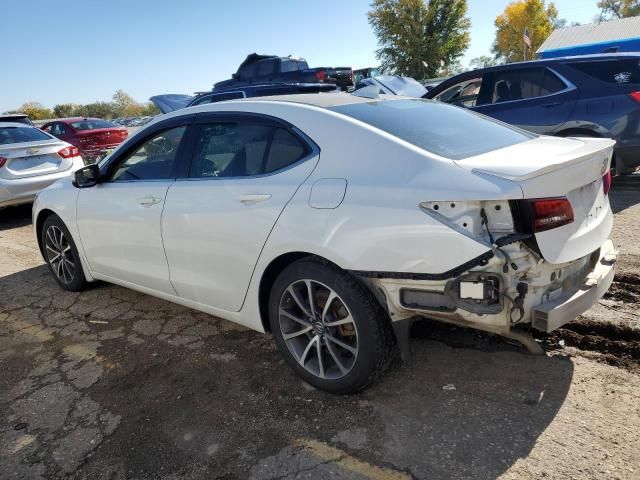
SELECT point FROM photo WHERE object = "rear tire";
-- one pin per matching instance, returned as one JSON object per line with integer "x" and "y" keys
{"x": 341, "y": 340}
{"x": 61, "y": 255}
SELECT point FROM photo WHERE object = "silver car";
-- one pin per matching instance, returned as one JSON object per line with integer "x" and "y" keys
{"x": 31, "y": 160}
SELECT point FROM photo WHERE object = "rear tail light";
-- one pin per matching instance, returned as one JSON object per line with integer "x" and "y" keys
{"x": 68, "y": 152}
{"x": 3, "y": 160}
{"x": 320, "y": 75}
{"x": 606, "y": 182}
{"x": 635, "y": 96}
{"x": 550, "y": 213}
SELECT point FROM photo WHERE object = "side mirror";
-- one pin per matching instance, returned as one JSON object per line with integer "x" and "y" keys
{"x": 87, "y": 176}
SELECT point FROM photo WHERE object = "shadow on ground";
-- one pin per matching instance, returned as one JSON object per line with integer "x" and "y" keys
{"x": 148, "y": 389}
{"x": 14, "y": 217}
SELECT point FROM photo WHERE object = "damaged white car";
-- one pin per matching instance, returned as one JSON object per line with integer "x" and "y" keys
{"x": 332, "y": 220}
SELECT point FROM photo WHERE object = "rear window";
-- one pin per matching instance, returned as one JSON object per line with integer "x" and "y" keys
{"x": 91, "y": 124}
{"x": 21, "y": 134}
{"x": 624, "y": 71}
{"x": 445, "y": 130}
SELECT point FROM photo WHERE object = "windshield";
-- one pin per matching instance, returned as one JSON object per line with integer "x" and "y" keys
{"x": 445, "y": 130}
{"x": 91, "y": 124}
{"x": 21, "y": 134}
{"x": 404, "y": 86}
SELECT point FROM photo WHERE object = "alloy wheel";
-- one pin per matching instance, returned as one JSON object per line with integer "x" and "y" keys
{"x": 59, "y": 254}
{"x": 318, "y": 329}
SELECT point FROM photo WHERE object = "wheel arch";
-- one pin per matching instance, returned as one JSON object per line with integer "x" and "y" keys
{"x": 40, "y": 219}
{"x": 276, "y": 266}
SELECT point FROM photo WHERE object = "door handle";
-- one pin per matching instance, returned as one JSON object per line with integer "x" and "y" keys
{"x": 252, "y": 198}
{"x": 551, "y": 104}
{"x": 149, "y": 201}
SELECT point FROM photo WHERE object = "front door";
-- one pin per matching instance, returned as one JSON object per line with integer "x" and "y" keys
{"x": 119, "y": 219}
{"x": 215, "y": 223}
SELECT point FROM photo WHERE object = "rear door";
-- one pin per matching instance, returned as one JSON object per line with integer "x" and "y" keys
{"x": 534, "y": 98}
{"x": 119, "y": 219}
{"x": 215, "y": 223}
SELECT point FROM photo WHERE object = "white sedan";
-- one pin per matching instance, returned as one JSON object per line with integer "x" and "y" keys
{"x": 333, "y": 220}
{"x": 31, "y": 160}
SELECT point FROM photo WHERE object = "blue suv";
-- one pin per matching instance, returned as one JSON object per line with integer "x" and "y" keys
{"x": 590, "y": 95}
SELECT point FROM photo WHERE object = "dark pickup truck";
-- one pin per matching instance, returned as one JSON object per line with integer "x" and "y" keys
{"x": 271, "y": 68}
{"x": 170, "y": 102}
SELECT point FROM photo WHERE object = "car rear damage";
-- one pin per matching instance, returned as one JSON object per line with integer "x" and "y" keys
{"x": 548, "y": 258}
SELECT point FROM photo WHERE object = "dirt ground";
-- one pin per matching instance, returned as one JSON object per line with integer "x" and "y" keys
{"x": 112, "y": 384}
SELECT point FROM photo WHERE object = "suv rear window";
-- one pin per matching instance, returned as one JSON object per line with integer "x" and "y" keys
{"x": 622, "y": 71}
{"x": 445, "y": 130}
{"x": 21, "y": 134}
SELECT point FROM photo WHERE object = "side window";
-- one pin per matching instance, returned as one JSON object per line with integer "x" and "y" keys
{"x": 48, "y": 128}
{"x": 285, "y": 150}
{"x": 524, "y": 83}
{"x": 57, "y": 129}
{"x": 463, "y": 94}
{"x": 155, "y": 159}
{"x": 62, "y": 129}
{"x": 289, "y": 66}
{"x": 243, "y": 149}
{"x": 623, "y": 71}
{"x": 266, "y": 68}
{"x": 230, "y": 150}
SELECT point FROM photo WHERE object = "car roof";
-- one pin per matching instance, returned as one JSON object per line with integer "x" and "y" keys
{"x": 323, "y": 100}
{"x": 15, "y": 124}
{"x": 75, "y": 119}
{"x": 13, "y": 115}
{"x": 543, "y": 61}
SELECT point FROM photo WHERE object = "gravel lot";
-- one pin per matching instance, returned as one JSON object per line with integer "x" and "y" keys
{"x": 112, "y": 384}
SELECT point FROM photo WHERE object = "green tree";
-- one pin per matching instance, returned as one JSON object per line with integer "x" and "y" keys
{"x": 63, "y": 110}
{"x": 533, "y": 15}
{"x": 124, "y": 105}
{"x": 419, "y": 38}
{"x": 483, "y": 61}
{"x": 36, "y": 111}
{"x": 619, "y": 8}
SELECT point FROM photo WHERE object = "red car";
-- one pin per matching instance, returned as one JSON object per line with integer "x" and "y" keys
{"x": 93, "y": 136}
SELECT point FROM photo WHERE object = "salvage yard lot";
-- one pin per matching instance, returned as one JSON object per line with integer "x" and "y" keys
{"x": 112, "y": 384}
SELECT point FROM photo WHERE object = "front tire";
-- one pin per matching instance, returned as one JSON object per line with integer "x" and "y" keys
{"x": 329, "y": 327}
{"x": 61, "y": 255}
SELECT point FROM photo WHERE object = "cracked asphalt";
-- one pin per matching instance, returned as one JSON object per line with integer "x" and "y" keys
{"x": 113, "y": 384}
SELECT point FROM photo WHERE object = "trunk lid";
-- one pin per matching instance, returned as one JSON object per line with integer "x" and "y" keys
{"x": 548, "y": 167}
{"x": 31, "y": 159}
{"x": 101, "y": 137}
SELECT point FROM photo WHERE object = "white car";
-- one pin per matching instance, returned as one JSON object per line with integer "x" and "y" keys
{"x": 31, "y": 160}
{"x": 333, "y": 220}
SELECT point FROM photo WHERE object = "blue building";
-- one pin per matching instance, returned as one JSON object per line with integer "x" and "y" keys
{"x": 621, "y": 35}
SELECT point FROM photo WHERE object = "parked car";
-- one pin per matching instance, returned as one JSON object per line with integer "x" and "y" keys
{"x": 17, "y": 118}
{"x": 362, "y": 73}
{"x": 274, "y": 69}
{"x": 93, "y": 136}
{"x": 31, "y": 160}
{"x": 394, "y": 85}
{"x": 591, "y": 95}
{"x": 331, "y": 220}
{"x": 172, "y": 101}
